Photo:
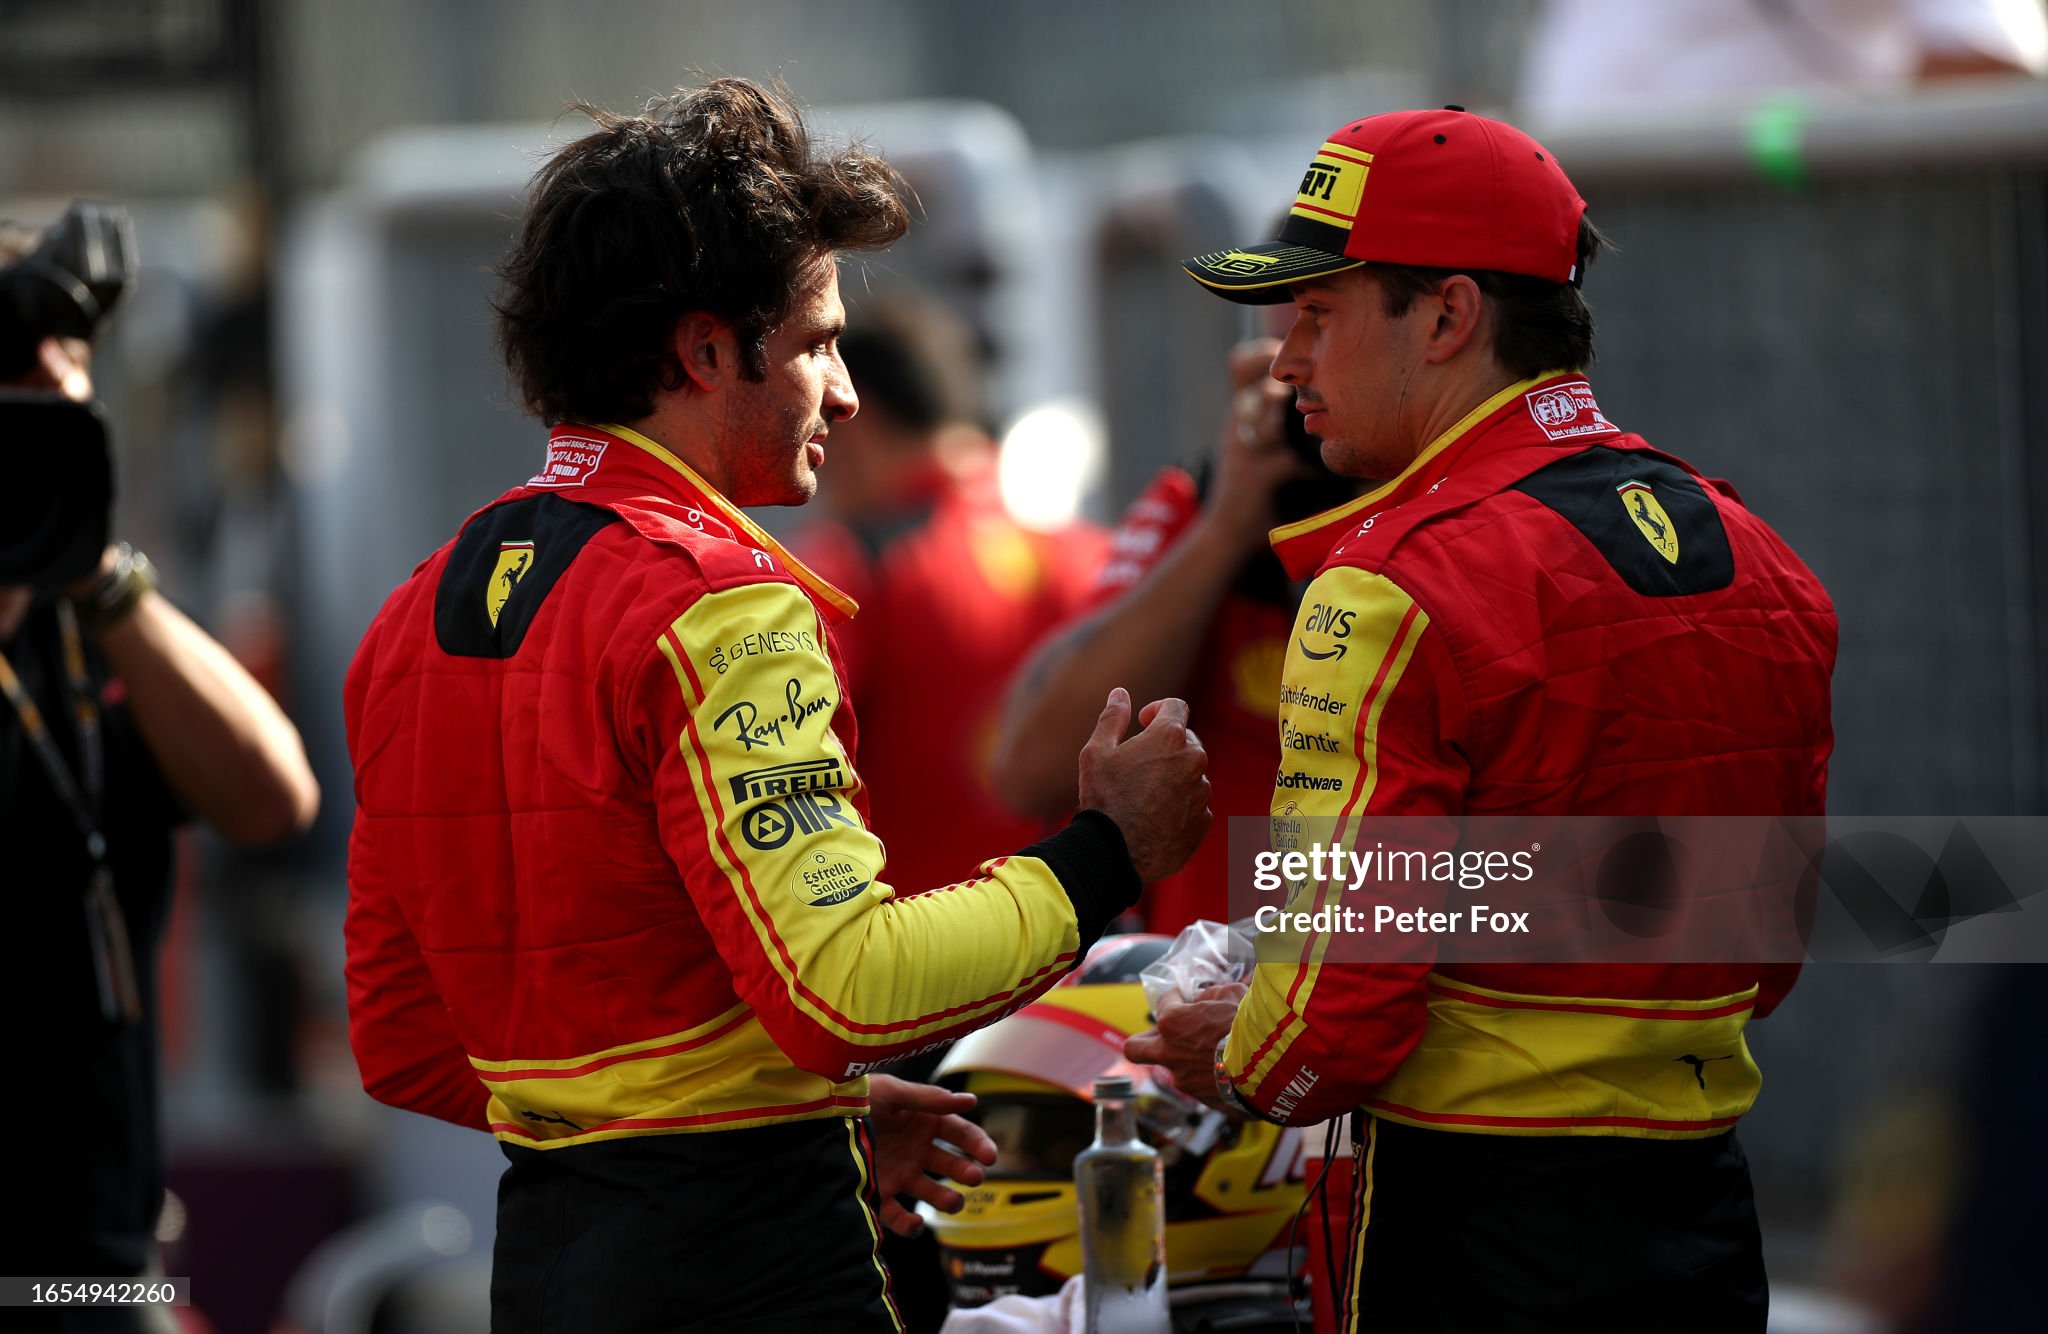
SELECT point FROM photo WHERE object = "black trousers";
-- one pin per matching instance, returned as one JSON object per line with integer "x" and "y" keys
{"x": 760, "y": 1230}
{"x": 1498, "y": 1234}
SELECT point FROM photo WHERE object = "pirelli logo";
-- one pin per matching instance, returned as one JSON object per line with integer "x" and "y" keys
{"x": 783, "y": 779}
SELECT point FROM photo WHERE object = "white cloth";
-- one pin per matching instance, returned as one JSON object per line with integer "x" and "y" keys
{"x": 1597, "y": 55}
{"x": 1057, "y": 1314}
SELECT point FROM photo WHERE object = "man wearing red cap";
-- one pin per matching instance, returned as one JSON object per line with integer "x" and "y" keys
{"x": 1538, "y": 615}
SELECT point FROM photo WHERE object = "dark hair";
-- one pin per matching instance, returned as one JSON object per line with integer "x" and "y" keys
{"x": 912, "y": 357}
{"x": 711, "y": 201}
{"x": 1538, "y": 325}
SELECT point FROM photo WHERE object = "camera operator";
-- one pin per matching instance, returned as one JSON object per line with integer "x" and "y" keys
{"x": 119, "y": 719}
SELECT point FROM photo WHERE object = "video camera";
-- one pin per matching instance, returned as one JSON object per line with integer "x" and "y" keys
{"x": 58, "y": 494}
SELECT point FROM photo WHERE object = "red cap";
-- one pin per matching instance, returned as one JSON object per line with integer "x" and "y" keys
{"x": 1440, "y": 189}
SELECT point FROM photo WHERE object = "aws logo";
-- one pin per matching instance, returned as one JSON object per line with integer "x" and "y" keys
{"x": 1650, "y": 518}
{"x": 1326, "y": 620}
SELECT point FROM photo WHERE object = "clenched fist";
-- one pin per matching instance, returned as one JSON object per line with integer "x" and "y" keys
{"x": 1155, "y": 785}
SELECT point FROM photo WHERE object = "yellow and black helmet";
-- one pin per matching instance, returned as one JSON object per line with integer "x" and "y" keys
{"x": 1232, "y": 1189}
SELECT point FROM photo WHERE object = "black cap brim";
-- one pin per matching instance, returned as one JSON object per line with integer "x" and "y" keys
{"x": 1260, "y": 275}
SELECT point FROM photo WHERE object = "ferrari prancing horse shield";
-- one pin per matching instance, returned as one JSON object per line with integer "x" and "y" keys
{"x": 514, "y": 560}
{"x": 1650, "y": 518}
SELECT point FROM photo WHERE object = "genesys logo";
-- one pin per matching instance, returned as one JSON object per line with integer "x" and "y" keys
{"x": 723, "y": 657}
{"x": 1331, "y": 621}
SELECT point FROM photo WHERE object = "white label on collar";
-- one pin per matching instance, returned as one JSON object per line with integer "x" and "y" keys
{"x": 572, "y": 460}
{"x": 1567, "y": 411}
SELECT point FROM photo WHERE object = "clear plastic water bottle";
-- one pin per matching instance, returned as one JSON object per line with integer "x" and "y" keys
{"x": 1121, "y": 1186}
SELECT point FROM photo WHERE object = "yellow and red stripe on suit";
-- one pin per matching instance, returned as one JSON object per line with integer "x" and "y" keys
{"x": 610, "y": 873}
{"x": 1481, "y": 638}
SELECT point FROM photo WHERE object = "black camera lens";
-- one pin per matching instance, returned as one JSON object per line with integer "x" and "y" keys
{"x": 67, "y": 285}
{"x": 60, "y": 491}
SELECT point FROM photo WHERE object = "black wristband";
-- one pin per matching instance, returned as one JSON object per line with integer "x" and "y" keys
{"x": 1093, "y": 865}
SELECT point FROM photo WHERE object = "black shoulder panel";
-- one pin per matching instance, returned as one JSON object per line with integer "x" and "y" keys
{"x": 503, "y": 567}
{"x": 1640, "y": 511}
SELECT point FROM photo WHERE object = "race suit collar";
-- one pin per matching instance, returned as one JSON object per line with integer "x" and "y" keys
{"x": 1494, "y": 425}
{"x": 579, "y": 456}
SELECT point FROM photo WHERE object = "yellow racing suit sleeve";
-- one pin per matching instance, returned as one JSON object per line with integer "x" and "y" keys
{"x": 1370, "y": 713}
{"x": 756, "y": 798}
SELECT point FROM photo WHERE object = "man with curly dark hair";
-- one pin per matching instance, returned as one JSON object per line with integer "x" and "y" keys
{"x": 612, "y": 893}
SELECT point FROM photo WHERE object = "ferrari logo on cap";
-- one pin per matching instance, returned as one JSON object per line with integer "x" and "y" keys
{"x": 1649, "y": 517}
{"x": 514, "y": 560}
{"x": 1333, "y": 185}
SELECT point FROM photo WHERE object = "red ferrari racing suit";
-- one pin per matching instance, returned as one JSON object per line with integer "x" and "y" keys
{"x": 610, "y": 874}
{"x": 1540, "y": 616}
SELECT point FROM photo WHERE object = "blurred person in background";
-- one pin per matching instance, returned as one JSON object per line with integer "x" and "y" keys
{"x": 1537, "y": 615}
{"x": 612, "y": 893}
{"x": 1599, "y": 55}
{"x": 1192, "y": 602}
{"x": 122, "y": 720}
{"x": 953, "y": 592}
